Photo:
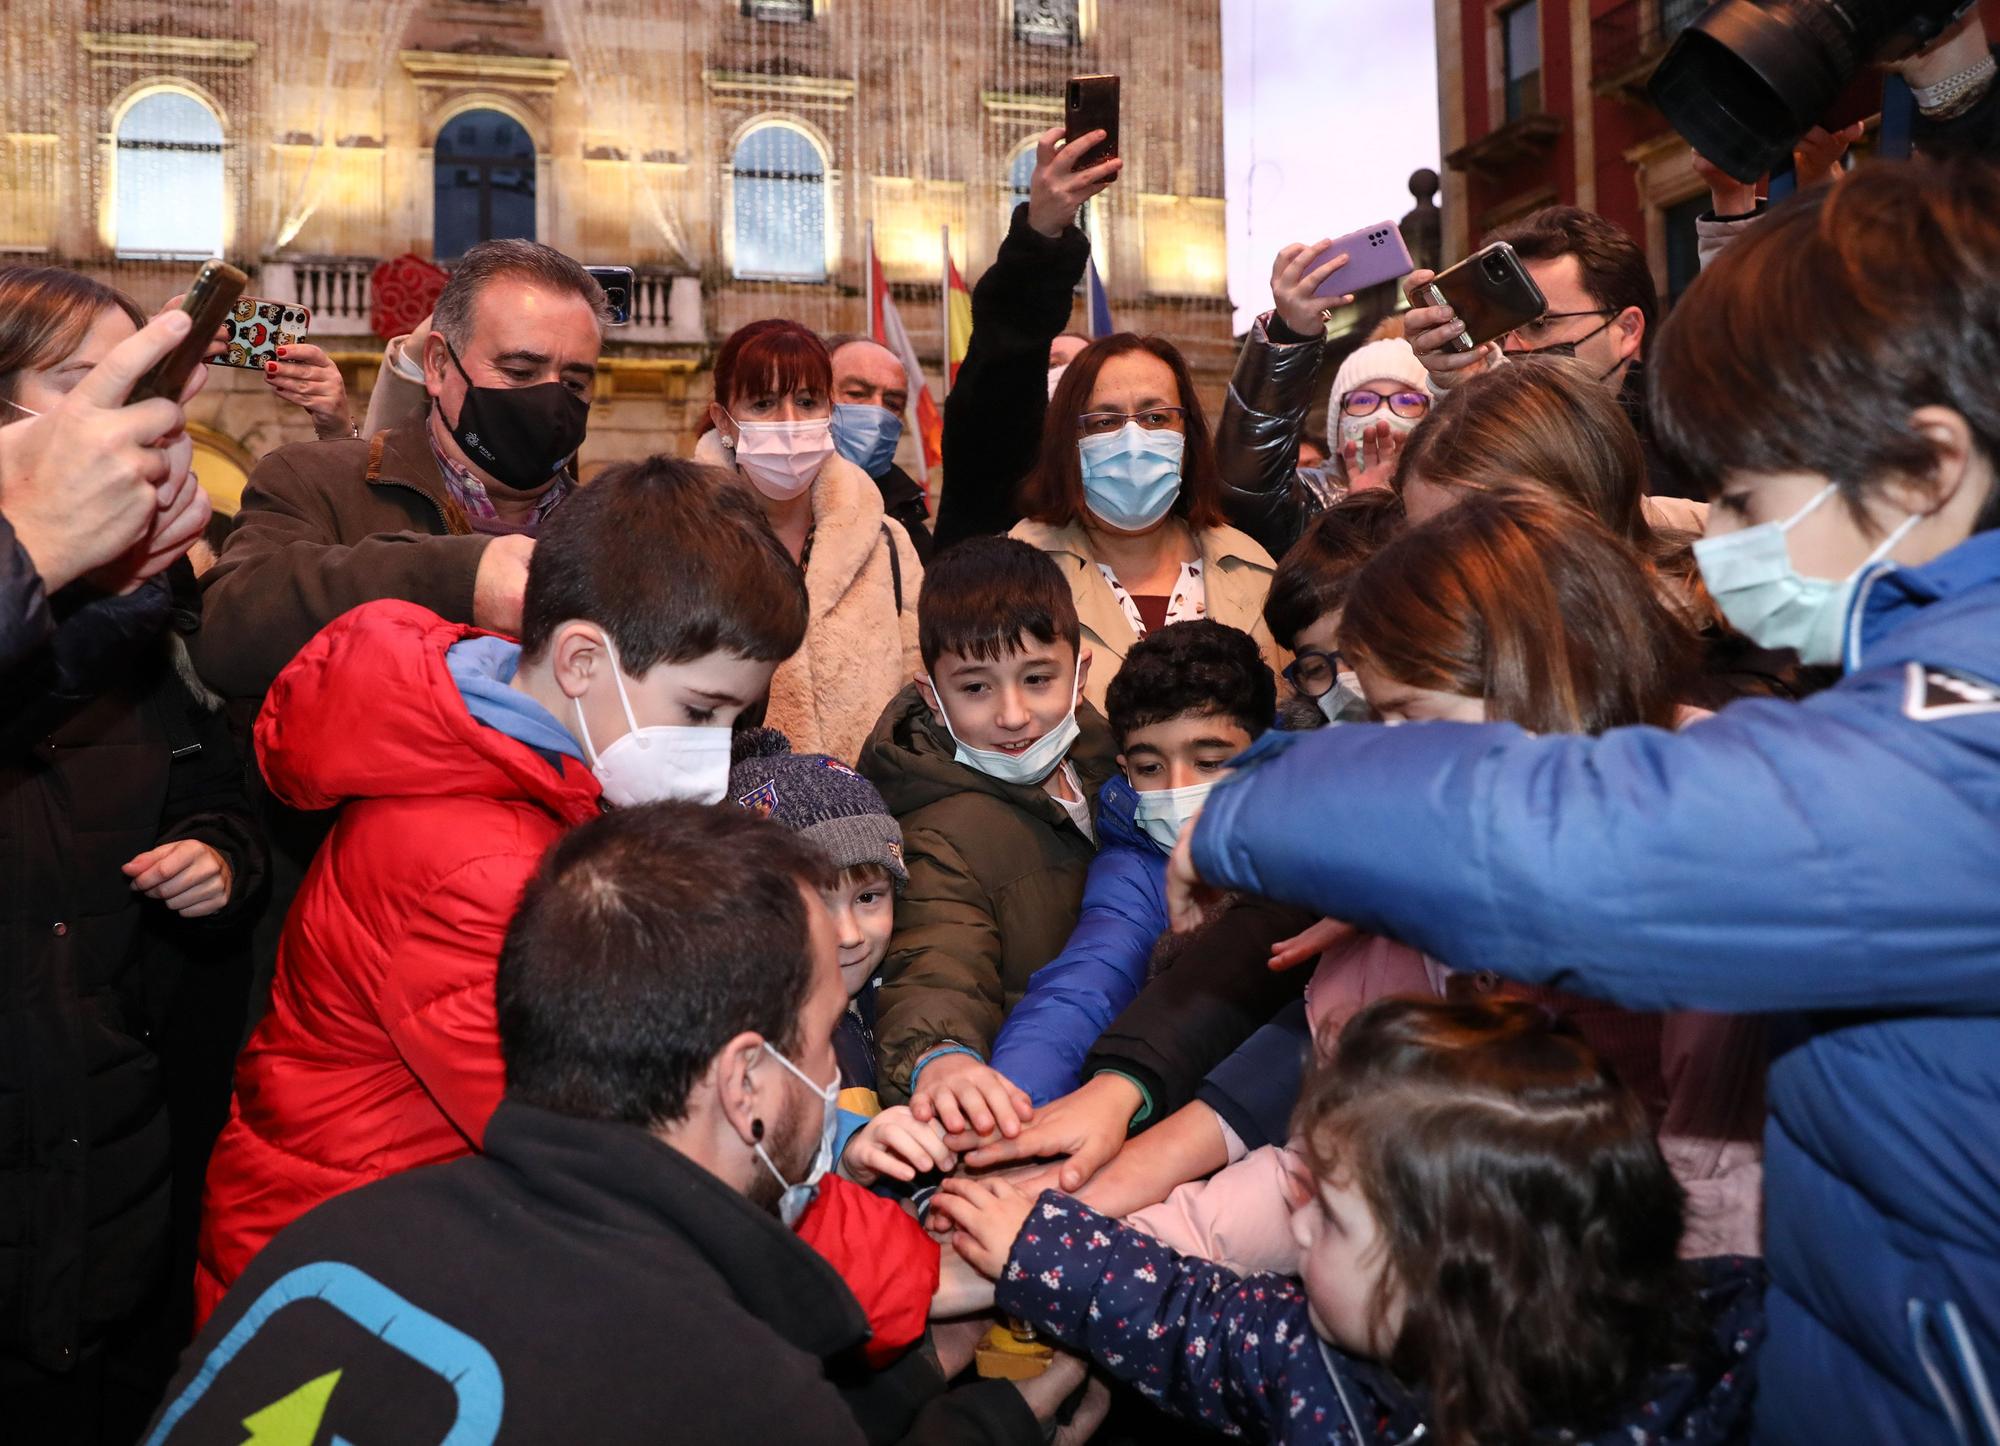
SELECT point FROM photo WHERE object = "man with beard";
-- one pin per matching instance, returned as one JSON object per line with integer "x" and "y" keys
{"x": 617, "y": 1265}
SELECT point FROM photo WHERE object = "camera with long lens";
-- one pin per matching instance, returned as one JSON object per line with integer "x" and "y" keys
{"x": 1744, "y": 82}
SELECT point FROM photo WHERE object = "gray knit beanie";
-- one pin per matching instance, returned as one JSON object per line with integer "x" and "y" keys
{"x": 819, "y": 797}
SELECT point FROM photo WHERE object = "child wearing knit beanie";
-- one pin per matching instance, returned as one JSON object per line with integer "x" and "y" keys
{"x": 840, "y": 812}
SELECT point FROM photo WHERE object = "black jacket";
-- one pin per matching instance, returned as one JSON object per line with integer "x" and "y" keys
{"x": 86, "y": 783}
{"x": 578, "y": 1281}
{"x": 1212, "y": 991}
{"x": 993, "y": 417}
{"x": 903, "y": 500}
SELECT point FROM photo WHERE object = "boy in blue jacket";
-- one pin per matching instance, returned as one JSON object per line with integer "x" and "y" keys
{"x": 1188, "y": 700}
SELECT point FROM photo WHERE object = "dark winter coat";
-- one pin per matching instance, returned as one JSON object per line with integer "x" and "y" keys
{"x": 86, "y": 783}
{"x": 1210, "y": 991}
{"x": 903, "y": 500}
{"x": 993, "y": 417}
{"x": 578, "y": 1282}
{"x": 1239, "y": 1353}
{"x": 996, "y": 880}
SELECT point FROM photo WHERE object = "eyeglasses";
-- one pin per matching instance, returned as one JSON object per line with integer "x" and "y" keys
{"x": 1519, "y": 340}
{"x": 1313, "y": 673}
{"x": 1153, "y": 419}
{"x": 1409, "y": 405}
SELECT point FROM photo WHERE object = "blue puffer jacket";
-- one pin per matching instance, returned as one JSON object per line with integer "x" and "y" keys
{"x": 1836, "y": 861}
{"x": 1074, "y": 997}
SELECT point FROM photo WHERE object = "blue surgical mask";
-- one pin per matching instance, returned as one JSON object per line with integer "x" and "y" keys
{"x": 1131, "y": 476}
{"x": 1033, "y": 763}
{"x": 1162, "y": 813}
{"x": 866, "y": 435}
{"x": 797, "y": 1197}
{"x": 1751, "y": 577}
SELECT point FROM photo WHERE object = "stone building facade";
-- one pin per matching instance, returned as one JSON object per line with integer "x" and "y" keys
{"x": 736, "y": 153}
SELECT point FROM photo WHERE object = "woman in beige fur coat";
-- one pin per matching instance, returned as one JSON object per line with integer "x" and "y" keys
{"x": 771, "y": 423}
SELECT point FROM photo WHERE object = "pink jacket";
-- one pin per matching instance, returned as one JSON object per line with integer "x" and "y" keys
{"x": 1712, "y": 1135}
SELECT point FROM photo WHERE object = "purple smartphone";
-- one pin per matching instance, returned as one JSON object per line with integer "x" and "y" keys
{"x": 1374, "y": 255}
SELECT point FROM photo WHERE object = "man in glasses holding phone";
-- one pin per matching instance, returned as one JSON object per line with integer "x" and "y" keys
{"x": 1602, "y": 308}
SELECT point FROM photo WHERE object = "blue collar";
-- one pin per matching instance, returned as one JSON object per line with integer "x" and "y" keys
{"x": 1889, "y": 596}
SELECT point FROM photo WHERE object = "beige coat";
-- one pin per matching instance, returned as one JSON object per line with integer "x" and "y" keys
{"x": 858, "y": 653}
{"x": 1235, "y": 571}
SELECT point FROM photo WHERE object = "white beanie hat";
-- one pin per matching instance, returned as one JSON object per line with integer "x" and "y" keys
{"x": 1391, "y": 358}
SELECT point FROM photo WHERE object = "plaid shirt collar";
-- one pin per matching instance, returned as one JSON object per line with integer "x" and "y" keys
{"x": 470, "y": 493}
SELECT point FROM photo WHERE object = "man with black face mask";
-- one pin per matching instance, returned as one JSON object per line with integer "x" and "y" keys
{"x": 439, "y": 510}
{"x": 617, "y": 1265}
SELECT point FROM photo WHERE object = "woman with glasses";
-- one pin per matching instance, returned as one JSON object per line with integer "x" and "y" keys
{"x": 1268, "y": 489}
{"x": 1126, "y": 498}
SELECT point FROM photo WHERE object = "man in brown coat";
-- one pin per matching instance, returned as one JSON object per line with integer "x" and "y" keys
{"x": 440, "y": 510}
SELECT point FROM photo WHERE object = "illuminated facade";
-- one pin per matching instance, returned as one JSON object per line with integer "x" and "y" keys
{"x": 734, "y": 152}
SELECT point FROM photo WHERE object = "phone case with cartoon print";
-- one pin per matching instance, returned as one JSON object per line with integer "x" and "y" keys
{"x": 258, "y": 327}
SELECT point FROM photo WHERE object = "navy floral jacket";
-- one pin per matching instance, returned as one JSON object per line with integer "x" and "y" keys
{"x": 1240, "y": 1355}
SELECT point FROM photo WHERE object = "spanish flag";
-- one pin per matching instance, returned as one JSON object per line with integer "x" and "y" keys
{"x": 885, "y": 325}
{"x": 957, "y": 318}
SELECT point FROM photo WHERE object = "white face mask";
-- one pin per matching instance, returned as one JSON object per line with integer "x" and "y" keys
{"x": 1353, "y": 429}
{"x": 783, "y": 459}
{"x": 1162, "y": 813}
{"x": 793, "y": 1203}
{"x": 1033, "y": 763}
{"x": 657, "y": 762}
{"x": 1055, "y": 375}
{"x": 1344, "y": 701}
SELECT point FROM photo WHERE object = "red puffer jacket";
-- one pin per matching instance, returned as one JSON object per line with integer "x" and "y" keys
{"x": 380, "y": 1052}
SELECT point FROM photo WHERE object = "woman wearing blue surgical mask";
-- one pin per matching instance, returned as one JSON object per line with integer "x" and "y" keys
{"x": 1126, "y": 498}
{"x": 1834, "y": 864}
{"x": 772, "y": 423}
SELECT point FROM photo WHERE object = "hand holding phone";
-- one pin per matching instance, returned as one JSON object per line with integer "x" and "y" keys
{"x": 1090, "y": 103}
{"x": 1063, "y": 181}
{"x": 209, "y": 301}
{"x": 1490, "y": 291}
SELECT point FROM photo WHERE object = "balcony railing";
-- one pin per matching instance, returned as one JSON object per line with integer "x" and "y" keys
{"x": 666, "y": 309}
{"x": 1627, "y": 42}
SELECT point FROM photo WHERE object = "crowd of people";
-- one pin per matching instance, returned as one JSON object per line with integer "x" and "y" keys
{"x": 714, "y": 951}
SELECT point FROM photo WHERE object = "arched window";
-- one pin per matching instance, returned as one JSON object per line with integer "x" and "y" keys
{"x": 168, "y": 197}
{"x": 484, "y": 182}
{"x": 779, "y": 183}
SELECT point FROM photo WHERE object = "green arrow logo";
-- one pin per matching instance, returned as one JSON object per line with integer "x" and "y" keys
{"x": 292, "y": 1420}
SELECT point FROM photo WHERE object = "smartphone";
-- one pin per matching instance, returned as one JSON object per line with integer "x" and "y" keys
{"x": 1374, "y": 255}
{"x": 1490, "y": 290}
{"x": 209, "y": 301}
{"x": 1091, "y": 104}
{"x": 258, "y": 326}
{"x": 617, "y": 284}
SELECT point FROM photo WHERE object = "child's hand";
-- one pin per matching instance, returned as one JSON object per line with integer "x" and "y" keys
{"x": 1087, "y": 1125}
{"x": 965, "y": 1095}
{"x": 897, "y": 1144}
{"x": 1307, "y": 946}
{"x": 1187, "y": 895}
{"x": 987, "y": 1214}
{"x": 961, "y": 1291}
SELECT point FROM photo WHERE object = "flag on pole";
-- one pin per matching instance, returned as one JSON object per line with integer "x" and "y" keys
{"x": 885, "y": 325}
{"x": 1097, "y": 307}
{"x": 957, "y": 320}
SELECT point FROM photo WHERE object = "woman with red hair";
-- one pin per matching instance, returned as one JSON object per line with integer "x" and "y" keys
{"x": 772, "y": 423}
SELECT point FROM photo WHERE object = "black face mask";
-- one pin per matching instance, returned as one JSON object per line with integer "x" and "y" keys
{"x": 519, "y": 434}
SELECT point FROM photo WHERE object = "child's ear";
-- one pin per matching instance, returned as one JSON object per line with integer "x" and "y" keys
{"x": 575, "y": 655}
{"x": 928, "y": 691}
{"x": 1082, "y": 669}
